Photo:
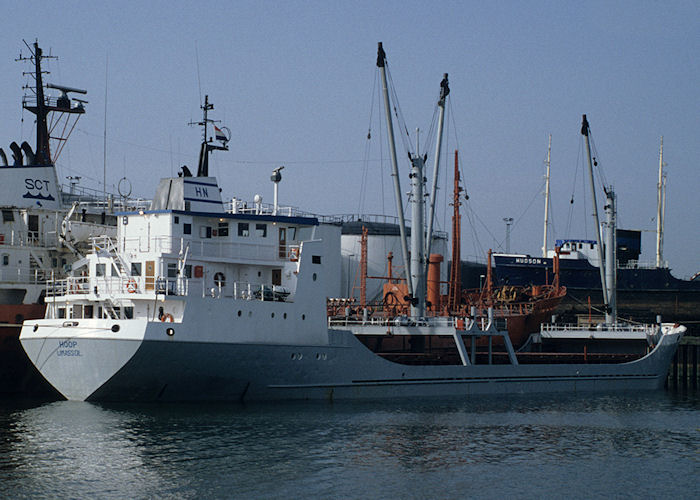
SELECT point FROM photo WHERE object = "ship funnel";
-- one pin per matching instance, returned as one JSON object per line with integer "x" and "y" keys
{"x": 3, "y": 158}
{"x": 28, "y": 153}
{"x": 16, "y": 154}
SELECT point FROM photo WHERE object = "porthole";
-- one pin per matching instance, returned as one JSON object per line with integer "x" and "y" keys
{"x": 284, "y": 315}
{"x": 303, "y": 317}
{"x": 272, "y": 315}
{"x": 314, "y": 277}
{"x": 239, "y": 313}
{"x": 170, "y": 332}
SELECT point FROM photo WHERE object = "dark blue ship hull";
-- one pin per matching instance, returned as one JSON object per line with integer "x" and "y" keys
{"x": 642, "y": 293}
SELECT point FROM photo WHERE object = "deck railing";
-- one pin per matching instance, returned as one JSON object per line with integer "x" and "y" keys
{"x": 216, "y": 249}
{"x": 24, "y": 274}
{"x": 137, "y": 286}
{"x": 440, "y": 321}
{"x": 570, "y": 327}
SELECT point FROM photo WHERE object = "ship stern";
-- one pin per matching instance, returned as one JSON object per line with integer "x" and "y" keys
{"x": 79, "y": 357}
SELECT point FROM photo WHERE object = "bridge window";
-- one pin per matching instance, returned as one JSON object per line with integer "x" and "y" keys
{"x": 8, "y": 216}
{"x": 243, "y": 229}
{"x": 223, "y": 228}
{"x": 172, "y": 270}
{"x": 136, "y": 269}
{"x": 99, "y": 270}
{"x": 261, "y": 230}
{"x": 187, "y": 228}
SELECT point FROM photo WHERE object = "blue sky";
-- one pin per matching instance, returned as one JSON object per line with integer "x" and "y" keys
{"x": 294, "y": 82}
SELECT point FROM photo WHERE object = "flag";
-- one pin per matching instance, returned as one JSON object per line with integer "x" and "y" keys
{"x": 220, "y": 136}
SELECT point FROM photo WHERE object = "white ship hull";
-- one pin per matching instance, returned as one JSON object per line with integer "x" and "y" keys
{"x": 201, "y": 361}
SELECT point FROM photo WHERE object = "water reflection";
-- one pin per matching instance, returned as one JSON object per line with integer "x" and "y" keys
{"x": 499, "y": 446}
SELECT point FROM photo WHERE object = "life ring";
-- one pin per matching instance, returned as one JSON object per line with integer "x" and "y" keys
{"x": 294, "y": 254}
{"x": 167, "y": 317}
{"x": 220, "y": 279}
{"x": 131, "y": 286}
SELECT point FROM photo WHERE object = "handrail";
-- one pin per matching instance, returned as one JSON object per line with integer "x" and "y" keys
{"x": 549, "y": 327}
{"x": 137, "y": 286}
{"x": 208, "y": 248}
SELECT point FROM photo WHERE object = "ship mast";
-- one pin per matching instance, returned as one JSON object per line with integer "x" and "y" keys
{"x": 585, "y": 131}
{"x": 418, "y": 256}
{"x": 546, "y": 198}
{"x": 444, "y": 90}
{"x": 416, "y": 278}
{"x": 661, "y": 208}
{"x": 611, "y": 255}
{"x": 41, "y": 106}
{"x": 207, "y": 142}
{"x": 456, "y": 269}
{"x": 381, "y": 64}
{"x": 43, "y": 150}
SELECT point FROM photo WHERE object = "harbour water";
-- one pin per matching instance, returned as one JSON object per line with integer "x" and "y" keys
{"x": 570, "y": 446}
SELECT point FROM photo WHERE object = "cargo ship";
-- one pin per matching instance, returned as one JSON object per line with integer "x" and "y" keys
{"x": 644, "y": 290}
{"x": 196, "y": 303}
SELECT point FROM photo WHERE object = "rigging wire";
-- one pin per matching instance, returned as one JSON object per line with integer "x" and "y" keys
{"x": 570, "y": 214}
{"x": 443, "y": 193}
{"x": 471, "y": 212}
{"x": 596, "y": 163}
{"x": 400, "y": 121}
{"x": 431, "y": 130}
{"x": 365, "y": 160}
{"x": 532, "y": 201}
{"x": 199, "y": 80}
